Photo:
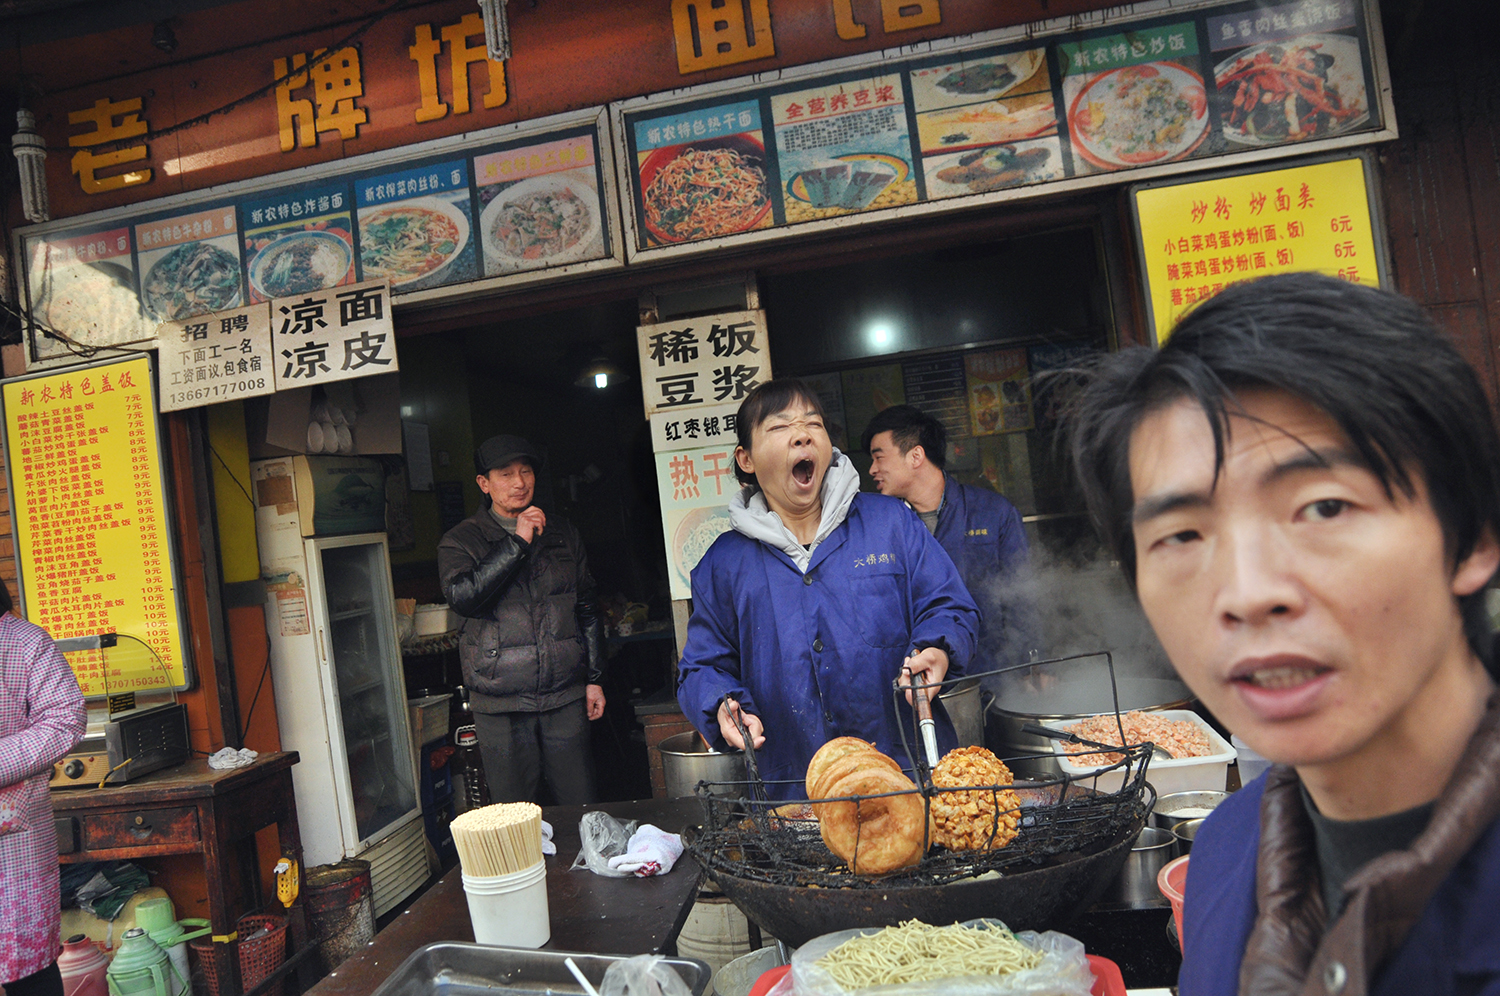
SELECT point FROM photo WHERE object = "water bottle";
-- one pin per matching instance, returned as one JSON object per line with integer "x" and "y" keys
{"x": 82, "y": 965}
{"x": 141, "y": 968}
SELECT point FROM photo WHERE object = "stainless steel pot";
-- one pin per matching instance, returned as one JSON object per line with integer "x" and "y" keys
{"x": 1152, "y": 848}
{"x": 965, "y": 703}
{"x": 686, "y": 760}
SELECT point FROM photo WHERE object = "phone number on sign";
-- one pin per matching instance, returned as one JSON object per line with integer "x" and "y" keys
{"x": 218, "y": 390}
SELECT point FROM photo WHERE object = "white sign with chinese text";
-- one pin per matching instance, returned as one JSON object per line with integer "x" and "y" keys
{"x": 706, "y": 361}
{"x": 333, "y": 334}
{"x": 695, "y": 487}
{"x": 212, "y": 358}
{"x": 673, "y": 429}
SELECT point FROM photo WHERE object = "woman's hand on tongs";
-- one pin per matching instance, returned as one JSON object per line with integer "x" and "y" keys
{"x": 731, "y": 733}
{"x": 927, "y": 667}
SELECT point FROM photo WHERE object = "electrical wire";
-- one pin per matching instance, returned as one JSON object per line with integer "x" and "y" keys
{"x": 232, "y": 476}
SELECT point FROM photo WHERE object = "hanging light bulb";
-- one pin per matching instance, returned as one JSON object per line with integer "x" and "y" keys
{"x": 496, "y": 29}
{"x": 31, "y": 157}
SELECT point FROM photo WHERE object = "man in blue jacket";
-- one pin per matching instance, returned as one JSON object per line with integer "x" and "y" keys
{"x": 1303, "y": 485}
{"x": 807, "y": 610}
{"x": 978, "y": 527}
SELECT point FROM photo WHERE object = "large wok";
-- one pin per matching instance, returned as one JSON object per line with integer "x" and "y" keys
{"x": 1043, "y": 899}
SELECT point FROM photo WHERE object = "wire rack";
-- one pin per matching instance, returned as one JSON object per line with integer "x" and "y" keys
{"x": 746, "y": 833}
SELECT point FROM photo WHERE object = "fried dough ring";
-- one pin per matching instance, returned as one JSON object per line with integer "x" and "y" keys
{"x": 850, "y": 762}
{"x": 827, "y": 754}
{"x": 874, "y": 836}
{"x": 975, "y": 820}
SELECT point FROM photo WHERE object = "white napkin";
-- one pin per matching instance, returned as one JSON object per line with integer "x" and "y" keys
{"x": 651, "y": 851}
{"x": 231, "y": 758}
{"x": 547, "y": 846}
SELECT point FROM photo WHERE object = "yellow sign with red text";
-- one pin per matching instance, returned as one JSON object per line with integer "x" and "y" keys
{"x": 91, "y": 522}
{"x": 1199, "y": 237}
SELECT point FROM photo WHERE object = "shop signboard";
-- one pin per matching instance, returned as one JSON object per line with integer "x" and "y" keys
{"x": 1062, "y": 105}
{"x": 694, "y": 363}
{"x": 332, "y": 335}
{"x": 1195, "y": 238}
{"x": 93, "y": 543}
{"x": 515, "y": 204}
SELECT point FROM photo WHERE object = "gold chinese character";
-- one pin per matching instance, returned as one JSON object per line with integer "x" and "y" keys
{"x": 843, "y": 20}
{"x": 899, "y": 16}
{"x": 336, "y": 82}
{"x": 709, "y": 37}
{"x": 460, "y": 56}
{"x": 86, "y": 164}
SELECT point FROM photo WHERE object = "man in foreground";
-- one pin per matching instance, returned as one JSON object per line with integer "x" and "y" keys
{"x": 532, "y": 648}
{"x": 814, "y": 601}
{"x": 1303, "y": 485}
{"x": 980, "y": 530}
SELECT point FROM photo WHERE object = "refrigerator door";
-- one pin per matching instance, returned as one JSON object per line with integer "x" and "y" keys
{"x": 354, "y": 614}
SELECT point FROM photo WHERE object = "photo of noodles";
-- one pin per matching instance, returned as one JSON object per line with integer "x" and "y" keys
{"x": 703, "y": 190}
{"x": 695, "y": 534}
{"x": 410, "y": 240}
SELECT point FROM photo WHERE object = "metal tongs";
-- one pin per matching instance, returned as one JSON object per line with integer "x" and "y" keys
{"x": 752, "y": 770}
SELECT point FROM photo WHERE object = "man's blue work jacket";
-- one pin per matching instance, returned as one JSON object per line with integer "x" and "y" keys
{"x": 813, "y": 655}
{"x": 982, "y": 532}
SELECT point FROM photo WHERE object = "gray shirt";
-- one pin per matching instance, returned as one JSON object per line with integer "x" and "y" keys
{"x": 1346, "y": 846}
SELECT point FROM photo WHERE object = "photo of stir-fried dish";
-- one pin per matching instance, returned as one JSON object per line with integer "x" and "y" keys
{"x": 408, "y": 241}
{"x": 1139, "y": 115}
{"x": 703, "y": 192}
{"x": 1310, "y": 87}
{"x": 541, "y": 224}
{"x": 193, "y": 279}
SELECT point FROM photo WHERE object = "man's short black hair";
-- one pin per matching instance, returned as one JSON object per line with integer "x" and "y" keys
{"x": 760, "y": 404}
{"x": 1372, "y": 360}
{"x": 910, "y": 427}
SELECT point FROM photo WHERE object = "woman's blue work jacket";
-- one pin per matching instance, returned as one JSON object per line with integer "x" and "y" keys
{"x": 814, "y": 655}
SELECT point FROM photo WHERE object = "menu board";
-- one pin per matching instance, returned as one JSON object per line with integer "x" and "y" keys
{"x": 1140, "y": 92}
{"x": 694, "y": 363}
{"x": 498, "y": 210}
{"x": 1196, "y": 238}
{"x": 93, "y": 546}
{"x": 695, "y": 488}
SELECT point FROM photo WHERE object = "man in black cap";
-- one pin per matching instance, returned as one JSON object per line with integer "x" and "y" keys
{"x": 532, "y": 647}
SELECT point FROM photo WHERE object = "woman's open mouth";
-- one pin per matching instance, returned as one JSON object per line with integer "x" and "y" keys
{"x": 803, "y": 470}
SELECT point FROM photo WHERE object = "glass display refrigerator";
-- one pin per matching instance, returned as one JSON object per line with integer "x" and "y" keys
{"x": 336, "y": 669}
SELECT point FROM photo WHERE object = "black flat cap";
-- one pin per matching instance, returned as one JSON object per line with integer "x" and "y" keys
{"x": 497, "y": 451}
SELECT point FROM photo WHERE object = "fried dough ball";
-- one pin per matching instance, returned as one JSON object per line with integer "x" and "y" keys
{"x": 974, "y": 820}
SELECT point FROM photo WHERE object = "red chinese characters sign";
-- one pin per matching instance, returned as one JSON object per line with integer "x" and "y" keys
{"x": 90, "y": 521}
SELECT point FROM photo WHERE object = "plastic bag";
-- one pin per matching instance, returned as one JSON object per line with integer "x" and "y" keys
{"x": 643, "y": 975}
{"x": 604, "y": 837}
{"x": 1063, "y": 971}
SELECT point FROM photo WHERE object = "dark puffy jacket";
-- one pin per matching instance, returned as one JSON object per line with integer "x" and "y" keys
{"x": 531, "y": 637}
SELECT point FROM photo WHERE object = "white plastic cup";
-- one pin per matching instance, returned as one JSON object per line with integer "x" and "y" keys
{"x": 1251, "y": 764}
{"x": 510, "y": 910}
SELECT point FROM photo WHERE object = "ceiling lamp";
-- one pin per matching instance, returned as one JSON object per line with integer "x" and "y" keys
{"x": 496, "y": 29}
{"x": 31, "y": 157}
{"x": 600, "y": 374}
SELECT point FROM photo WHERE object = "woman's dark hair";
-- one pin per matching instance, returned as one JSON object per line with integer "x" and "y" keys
{"x": 910, "y": 427}
{"x": 1372, "y": 360}
{"x": 760, "y": 404}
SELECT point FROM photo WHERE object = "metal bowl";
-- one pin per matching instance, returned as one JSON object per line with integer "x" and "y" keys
{"x": 1152, "y": 849}
{"x": 1181, "y": 806}
{"x": 1185, "y": 832}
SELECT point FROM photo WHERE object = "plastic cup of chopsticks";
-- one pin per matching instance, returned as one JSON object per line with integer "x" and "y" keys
{"x": 510, "y": 909}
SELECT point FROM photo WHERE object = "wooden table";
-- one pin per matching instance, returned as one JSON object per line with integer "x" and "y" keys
{"x": 589, "y": 912}
{"x": 194, "y": 809}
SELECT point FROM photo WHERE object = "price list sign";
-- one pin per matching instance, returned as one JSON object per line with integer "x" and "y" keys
{"x": 1197, "y": 238}
{"x": 92, "y": 543}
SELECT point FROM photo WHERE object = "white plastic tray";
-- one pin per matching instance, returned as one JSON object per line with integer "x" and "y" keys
{"x": 1188, "y": 774}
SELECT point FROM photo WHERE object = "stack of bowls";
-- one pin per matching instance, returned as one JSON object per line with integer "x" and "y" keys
{"x": 1181, "y": 813}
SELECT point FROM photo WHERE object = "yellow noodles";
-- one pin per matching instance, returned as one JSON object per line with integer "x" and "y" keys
{"x": 498, "y": 840}
{"x": 919, "y": 952}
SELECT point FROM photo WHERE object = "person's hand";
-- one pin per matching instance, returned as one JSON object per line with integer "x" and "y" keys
{"x": 594, "y": 696}
{"x": 927, "y": 668}
{"x": 531, "y": 522}
{"x": 727, "y": 708}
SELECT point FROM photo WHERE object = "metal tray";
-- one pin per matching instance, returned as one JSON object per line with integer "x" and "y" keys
{"x": 453, "y": 969}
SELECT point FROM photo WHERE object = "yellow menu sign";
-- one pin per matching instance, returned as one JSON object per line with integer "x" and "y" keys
{"x": 92, "y": 545}
{"x": 1199, "y": 237}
